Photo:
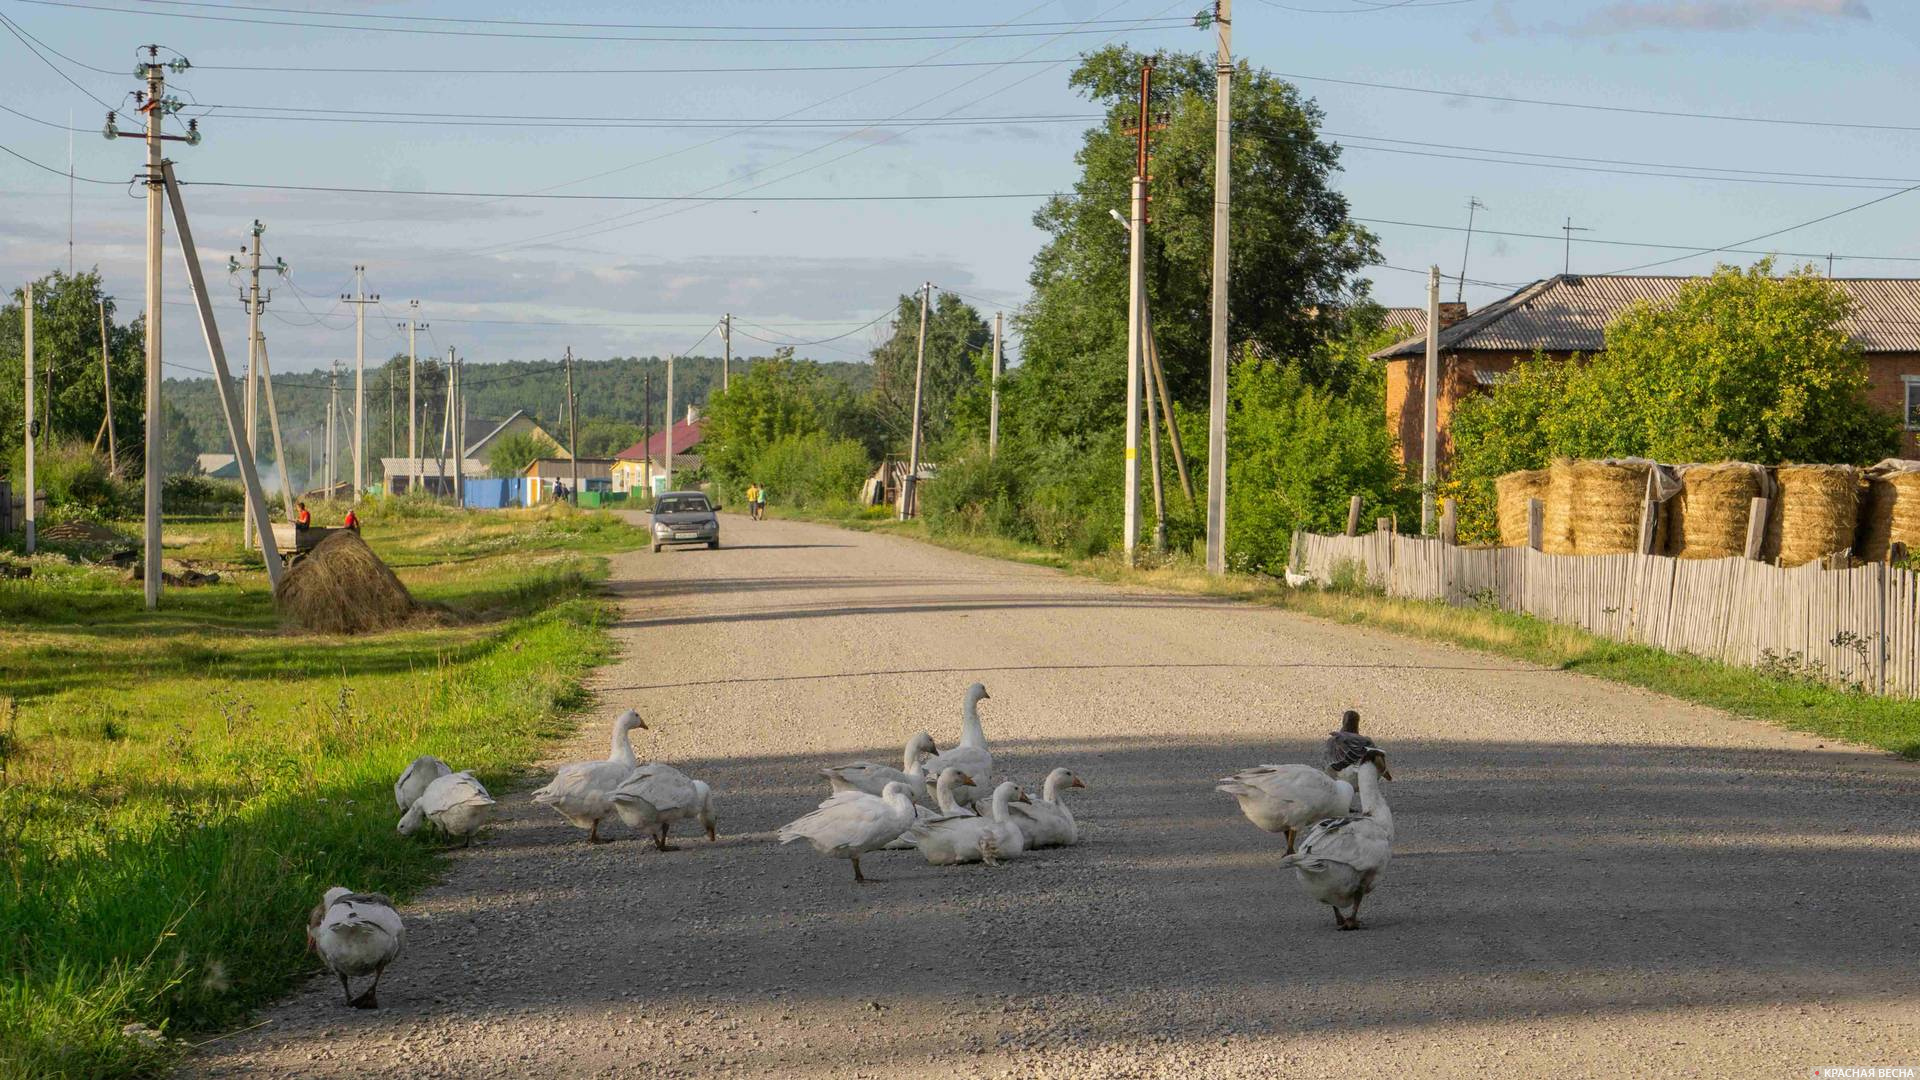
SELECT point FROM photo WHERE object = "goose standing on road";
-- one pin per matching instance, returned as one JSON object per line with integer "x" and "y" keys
{"x": 873, "y": 779}
{"x": 947, "y": 841}
{"x": 420, "y": 772}
{"x": 1341, "y": 858}
{"x": 457, "y": 802}
{"x": 356, "y": 934}
{"x": 654, "y": 796}
{"x": 1048, "y": 823}
{"x": 1287, "y": 798}
{"x": 971, "y": 756}
{"x": 852, "y": 823}
{"x": 582, "y": 792}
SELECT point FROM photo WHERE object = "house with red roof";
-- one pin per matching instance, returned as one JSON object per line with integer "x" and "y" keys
{"x": 634, "y": 467}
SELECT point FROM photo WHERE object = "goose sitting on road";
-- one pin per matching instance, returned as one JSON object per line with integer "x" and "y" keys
{"x": 851, "y": 823}
{"x": 873, "y": 779}
{"x": 581, "y": 792}
{"x": 654, "y": 796}
{"x": 1341, "y": 858}
{"x": 1287, "y": 798}
{"x": 943, "y": 788}
{"x": 1048, "y": 823}
{"x": 946, "y": 841}
{"x": 420, "y": 772}
{"x": 356, "y": 934}
{"x": 457, "y": 802}
{"x": 971, "y": 756}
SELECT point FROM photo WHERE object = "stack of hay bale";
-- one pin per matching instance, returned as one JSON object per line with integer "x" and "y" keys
{"x": 1708, "y": 519}
{"x": 1512, "y": 493}
{"x": 1591, "y": 507}
{"x": 342, "y": 587}
{"x": 1814, "y": 515}
{"x": 1890, "y": 513}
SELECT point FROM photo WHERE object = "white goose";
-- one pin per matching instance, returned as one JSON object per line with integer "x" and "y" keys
{"x": 654, "y": 796}
{"x": 971, "y": 756}
{"x": 356, "y": 934}
{"x": 581, "y": 792}
{"x": 1341, "y": 858}
{"x": 946, "y": 841}
{"x": 1287, "y": 798}
{"x": 950, "y": 778}
{"x": 1048, "y": 823}
{"x": 873, "y": 779}
{"x": 457, "y": 802}
{"x": 420, "y": 772}
{"x": 852, "y": 823}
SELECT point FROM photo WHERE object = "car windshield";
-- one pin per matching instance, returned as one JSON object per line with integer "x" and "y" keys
{"x": 681, "y": 504}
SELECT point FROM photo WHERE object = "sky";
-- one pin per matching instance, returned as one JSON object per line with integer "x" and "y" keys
{"x": 824, "y": 143}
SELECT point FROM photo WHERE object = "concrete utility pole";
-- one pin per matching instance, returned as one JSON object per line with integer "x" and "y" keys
{"x": 1430, "y": 430}
{"x": 459, "y": 432}
{"x": 254, "y": 301}
{"x": 669, "y": 423}
{"x": 106, "y": 393}
{"x": 446, "y": 418}
{"x": 993, "y": 395}
{"x": 1217, "y": 372}
{"x": 1136, "y": 300}
{"x": 359, "y": 300}
{"x": 333, "y": 437}
{"x": 32, "y": 423}
{"x": 273, "y": 420}
{"x": 726, "y": 348}
{"x": 573, "y": 430}
{"x": 413, "y": 324}
{"x": 911, "y": 502}
{"x": 1153, "y": 444}
{"x": 646, "y": 428}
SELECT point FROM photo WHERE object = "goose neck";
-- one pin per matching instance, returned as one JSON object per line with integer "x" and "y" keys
{"x": 1050, "y": 791}
{"x": 910, "y": 757}
{"x": 622, "y": 747}
{"x": 1372, "y": 803}
{"x": 970, "y": 730}
{"x": 1002, "y": 797}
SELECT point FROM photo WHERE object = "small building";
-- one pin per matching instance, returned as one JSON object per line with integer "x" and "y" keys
{"x": 596, "y": 474}
{"x": 1567, "y": 315}
{"x": 638, "y": 466}
{"x": 219, "y": 466}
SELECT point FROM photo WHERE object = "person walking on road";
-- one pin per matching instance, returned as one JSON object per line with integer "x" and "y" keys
{"x": 753, "y": 500}
{"x": 760, "y": 502}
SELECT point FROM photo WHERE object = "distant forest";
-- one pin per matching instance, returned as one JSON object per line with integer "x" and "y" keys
{"x": 612, "y": 391}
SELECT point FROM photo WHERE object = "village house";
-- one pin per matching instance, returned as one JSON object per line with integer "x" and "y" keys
{"x": 637, "y": 467}
{"x": 436, "y": 472}
{"x": 542, "y": 474}
{"x": 1567, "y": 315}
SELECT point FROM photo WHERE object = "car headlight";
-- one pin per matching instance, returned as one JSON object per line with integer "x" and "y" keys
{"x": 660, "y": 528}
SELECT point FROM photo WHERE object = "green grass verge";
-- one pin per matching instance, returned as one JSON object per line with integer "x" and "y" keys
{"x": 1790, "y": 699}
{"x": 180, "y": 786}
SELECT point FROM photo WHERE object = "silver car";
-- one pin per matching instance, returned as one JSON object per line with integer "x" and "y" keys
{"x": 685, "y": 517}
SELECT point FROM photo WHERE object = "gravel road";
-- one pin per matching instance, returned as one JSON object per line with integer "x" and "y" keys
{"x": 1588, "y": 880}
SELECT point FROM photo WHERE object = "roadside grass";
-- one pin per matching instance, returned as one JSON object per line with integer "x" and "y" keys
{"x": 178, "y": 787}
{"x": 1791, "y": 699}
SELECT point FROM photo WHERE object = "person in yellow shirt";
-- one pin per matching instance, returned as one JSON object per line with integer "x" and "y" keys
{"x": 753, "y": 499}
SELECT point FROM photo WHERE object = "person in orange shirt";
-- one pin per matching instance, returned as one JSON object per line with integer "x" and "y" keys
{"x": 304, "y": 520}
{"x": 353, "y": 521}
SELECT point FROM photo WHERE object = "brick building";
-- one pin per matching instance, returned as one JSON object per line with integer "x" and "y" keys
{"x": 1567, "y": 314}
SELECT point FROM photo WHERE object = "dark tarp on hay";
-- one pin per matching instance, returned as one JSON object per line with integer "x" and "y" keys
{"x": 342, "y": 587}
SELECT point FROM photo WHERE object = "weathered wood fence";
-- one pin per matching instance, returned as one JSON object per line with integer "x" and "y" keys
{"x": 1855, "y": 627}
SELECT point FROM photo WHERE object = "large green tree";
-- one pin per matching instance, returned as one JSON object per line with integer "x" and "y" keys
{"x": 1295, "y": 252}
{"x": 66, "y": 325}
{"x": 955, "y": 336}
{"x": 775, "y": 399}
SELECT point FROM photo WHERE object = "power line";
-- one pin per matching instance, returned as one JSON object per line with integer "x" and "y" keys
{"x": 1773, "y": 233}
{"x": 491, "y": 72}
{"x": 1654, "y": 244}
{"x": 21, "y": 36}
{"x": 608, "y": 198}
{"x": 51, "y": 169}
{"x": 891, "y": 310}
{"x": 282, "y": 114}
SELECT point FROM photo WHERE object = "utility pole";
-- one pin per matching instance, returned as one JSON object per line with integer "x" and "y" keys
{"x": 646, "y": 428}
{"x": 393, "y": 423}
{"x": 155, "y": 103}
{"x": 273, "y": 418}
{"x": 459, "y": 401}
{"x": 1430, "y": 433}
{"x": 1473, "y": 203}
{"x": 1153, "y": 450}
{"x": 993, "y": 395}
{"x": 1136, "y": 301}
{"x": 910, "y": 502}
{"x": 106, "y": 392}
{"x": 359, "y": 300}
{"x": 333, "y": 438}
{"x": 446, "y": 418}
{"x": 726, "y": 348}
{"x": 573, "y": 429}
{"x": 1566, "y": 266}
{"x": 32, "y": 424}
{"x": 412, "y": 325}
{"x": 669, "y": 422}
{"x": 250, "y": 529}
{"x": 1217, "y": 373}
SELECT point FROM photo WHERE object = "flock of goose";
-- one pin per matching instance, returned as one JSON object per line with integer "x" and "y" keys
{"x": 1338, "y": 828}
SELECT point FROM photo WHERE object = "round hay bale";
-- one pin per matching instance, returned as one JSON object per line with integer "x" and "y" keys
{"x": 1815, "y": 512}
{"x": 341, "y": 587}
{"x": 1511, "y": 495}
{"x": 1556, "y": 526}
{"x": 1708, "y": 519}
{"x": 1606, "y": 506}
{"x": 1889, "y": 514}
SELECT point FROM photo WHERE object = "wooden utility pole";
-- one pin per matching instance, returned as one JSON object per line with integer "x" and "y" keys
{"x": 359, "y": 300}
{"x": 1166, "y": 405}
{"x": 993, "y": 395}
{"x": 1430, "y": 427}
{"x": 909, "y": 493}
{"x": 1153, "y": 463}
{"x": 1136, "y": 301}
{"x": 1217, "y": 373}
{"x": 106, "y": 393}
{"x": 573, "y": 430}
{"x": 32, "y": 423}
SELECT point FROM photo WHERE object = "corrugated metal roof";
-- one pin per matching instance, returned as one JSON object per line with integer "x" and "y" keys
{"x": 1570, "y": 312}
{"x": 1406, "y": 321}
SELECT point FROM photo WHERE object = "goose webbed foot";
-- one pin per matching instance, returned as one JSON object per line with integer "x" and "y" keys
{"x": 346, "y": 992}
{"x": 660, "y": 841}
{"x": 370, "y": 997}
{"x": 1289, "y": 839}
{"x": 594, "y": 837}
{"x": 858, "y": 877}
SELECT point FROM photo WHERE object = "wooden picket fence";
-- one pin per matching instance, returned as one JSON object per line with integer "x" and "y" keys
{"x": 1855, "y": 627}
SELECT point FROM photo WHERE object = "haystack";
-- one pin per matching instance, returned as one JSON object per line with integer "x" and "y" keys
{"x": 1815, "y": 512}
{"x": 1890, "y": 513}
{"x": 342, "y": 587}
{"x": 1556, "y": 527}
{"x": 1607, "y": 497}
{"x": 1708, "y": 519}
{"x": 1511, "y": 495}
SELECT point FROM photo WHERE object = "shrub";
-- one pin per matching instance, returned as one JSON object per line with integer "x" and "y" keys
{"x": 71, "y": 474}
